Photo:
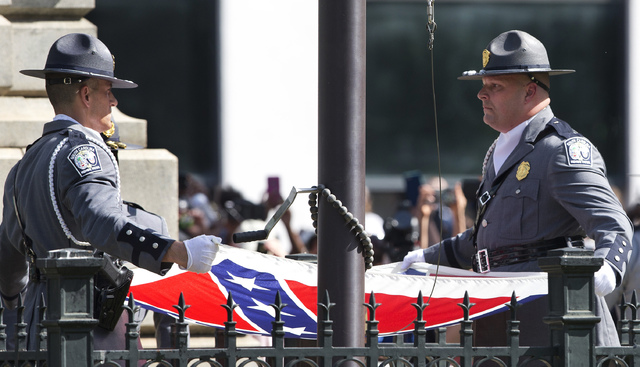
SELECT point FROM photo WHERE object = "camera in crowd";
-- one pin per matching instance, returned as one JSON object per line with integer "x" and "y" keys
{"x": 241, "y": 209}
{"x": 400, "y": 232}
{"x": 447, "y": 197}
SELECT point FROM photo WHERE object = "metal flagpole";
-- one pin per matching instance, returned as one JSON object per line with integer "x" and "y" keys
{"x": 341, "y": 161}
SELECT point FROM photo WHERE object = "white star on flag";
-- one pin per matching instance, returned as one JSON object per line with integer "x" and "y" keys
{"x": 246, "y": 283}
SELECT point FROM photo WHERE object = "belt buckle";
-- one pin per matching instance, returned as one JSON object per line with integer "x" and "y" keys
{"x": 482, "y": 259}
{"x": 484, "y": 198}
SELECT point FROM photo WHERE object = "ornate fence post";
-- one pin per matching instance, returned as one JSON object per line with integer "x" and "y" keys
{"x": 572, "y": 317}
{"x": 70, "y": 321}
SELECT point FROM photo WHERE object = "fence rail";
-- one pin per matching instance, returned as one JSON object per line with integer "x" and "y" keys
{"x": 64, "y": 334}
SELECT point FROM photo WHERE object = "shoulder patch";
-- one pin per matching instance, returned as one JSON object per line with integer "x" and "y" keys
{"x": 85, "y": 159}
{"x": 578, "y": 151}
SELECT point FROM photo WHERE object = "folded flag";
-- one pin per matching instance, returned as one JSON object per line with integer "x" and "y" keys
{"x": 253, "y": 279}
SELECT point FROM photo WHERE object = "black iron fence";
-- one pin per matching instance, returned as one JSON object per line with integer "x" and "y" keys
{"x": 65, "y": 332}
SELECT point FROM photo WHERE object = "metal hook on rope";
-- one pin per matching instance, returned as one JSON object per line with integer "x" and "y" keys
{"x": 431, "y": 24}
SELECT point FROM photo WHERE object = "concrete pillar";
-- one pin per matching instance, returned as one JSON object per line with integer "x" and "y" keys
{"x": 27, "y": 31}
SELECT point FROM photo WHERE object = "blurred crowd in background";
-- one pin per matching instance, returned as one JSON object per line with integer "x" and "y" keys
{"x": 417, "y": 221}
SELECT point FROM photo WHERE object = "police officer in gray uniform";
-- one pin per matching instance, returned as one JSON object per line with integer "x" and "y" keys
{"x": 65, "y": 192}
{"x": 544, "y": 186}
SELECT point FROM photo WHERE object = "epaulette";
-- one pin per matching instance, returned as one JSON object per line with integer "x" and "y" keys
{"x": 76, "y": 137}
{"x": 578, "y": 149}
{"x": 562, "y": 128}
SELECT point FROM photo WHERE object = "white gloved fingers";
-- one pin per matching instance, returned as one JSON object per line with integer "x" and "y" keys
{"x": 415, "y": 256}
{"x": 604, "y": 280}
{"x": 216, "y": 240}
{"x": 201, "y": 252}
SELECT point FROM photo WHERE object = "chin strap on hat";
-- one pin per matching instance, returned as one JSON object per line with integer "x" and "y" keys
{"x": 539, "y": 83}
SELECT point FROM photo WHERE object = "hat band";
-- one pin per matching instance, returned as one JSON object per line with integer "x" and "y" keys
{"x": 519, "y": 67}
{"x": 70, "y": 68}
{"x": 68, "y": 80}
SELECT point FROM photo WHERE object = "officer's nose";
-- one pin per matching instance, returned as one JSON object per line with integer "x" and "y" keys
{"x": 482, "y": 94}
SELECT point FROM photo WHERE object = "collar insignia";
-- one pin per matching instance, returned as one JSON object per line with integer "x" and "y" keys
{"x": 109, "y": 133}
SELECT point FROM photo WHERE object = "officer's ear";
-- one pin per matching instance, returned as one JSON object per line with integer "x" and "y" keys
{"x": 530, "y": 90}
{"x": 83, "y": 92}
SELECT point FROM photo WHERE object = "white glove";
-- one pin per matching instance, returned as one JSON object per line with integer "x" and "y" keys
{"x": 415, "y": 256}
{"x": 201, "y": 251}
{"x": 605, "y": 280}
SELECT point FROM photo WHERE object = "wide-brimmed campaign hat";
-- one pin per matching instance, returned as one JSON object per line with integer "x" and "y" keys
{"x": 77, "y": 56}
{"x": 514, "y": 52}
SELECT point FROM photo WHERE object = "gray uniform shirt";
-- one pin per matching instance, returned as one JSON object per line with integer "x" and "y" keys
{"x": 555, "y": 186}
{"x": 69, "y": 176}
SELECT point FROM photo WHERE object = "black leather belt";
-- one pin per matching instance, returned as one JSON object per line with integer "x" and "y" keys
{"x": 485, "y": 259}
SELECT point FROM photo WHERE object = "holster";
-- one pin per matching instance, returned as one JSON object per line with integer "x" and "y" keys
{"x": 111, "y": 287}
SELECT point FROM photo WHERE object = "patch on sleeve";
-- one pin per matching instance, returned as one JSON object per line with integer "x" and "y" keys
{"x": 578, "y": 151}
{"x": 85, "y": 159}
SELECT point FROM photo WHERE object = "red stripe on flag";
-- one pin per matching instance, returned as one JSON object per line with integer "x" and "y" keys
{"x": 396, "y": 314}
{"x": 308, "y": 295}
{"x": 200, "y": 293}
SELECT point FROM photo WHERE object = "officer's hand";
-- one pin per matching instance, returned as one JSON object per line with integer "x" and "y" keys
{"x": 201, "y": 252}
{"x": 415, "y": 256}
{"x": 605, "y": 280}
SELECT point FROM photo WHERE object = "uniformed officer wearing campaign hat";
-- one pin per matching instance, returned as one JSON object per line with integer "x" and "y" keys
{"x": 543, "y": 187}
{"x": 77, "y": 57}
{"x": 66, "y": 189}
